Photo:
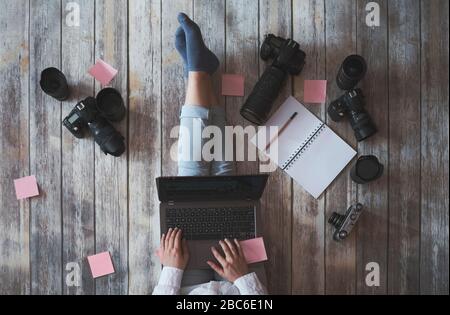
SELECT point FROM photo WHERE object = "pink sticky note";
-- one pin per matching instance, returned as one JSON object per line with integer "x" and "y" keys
{"x": 101, "y": 264}
{"x": 315, "y": 91}
{"x": 232, "y": 85}
{"x": 26, "y": 187}
{"x": 254, "y": 250}
{"x": 103, "y": 72}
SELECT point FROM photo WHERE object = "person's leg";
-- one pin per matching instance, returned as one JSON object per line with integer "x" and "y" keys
{"x": 196, "y": 114}
{"x": 189, "y": 43}
{"x": 195, "y": 117}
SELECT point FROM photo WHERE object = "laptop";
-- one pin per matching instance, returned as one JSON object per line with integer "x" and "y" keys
{"x": 209, "y": 209}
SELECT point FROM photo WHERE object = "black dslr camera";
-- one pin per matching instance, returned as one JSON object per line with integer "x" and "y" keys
{"x": 287, "y": 59}
{"x": 345, "y": 223}
{"x": 87, "y": 114}
{"x": 351, "y": 104}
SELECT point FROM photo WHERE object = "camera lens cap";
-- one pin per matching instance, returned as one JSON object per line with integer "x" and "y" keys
{"x": 366, "y": 169}
{"x": 110, "y": 104}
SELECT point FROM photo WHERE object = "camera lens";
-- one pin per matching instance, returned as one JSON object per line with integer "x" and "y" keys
{"x": 108, "y": 138}
{"x": 259, "y": 103}
{"x": 351, "y": 72}
{"x": 54, "y": 83}
{"x": 336, "y": 219}
{"x": 110, "y": 104}
{"x": 362, "y": 125}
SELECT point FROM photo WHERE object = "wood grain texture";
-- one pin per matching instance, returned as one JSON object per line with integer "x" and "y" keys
{"x": 172, "y": 80}
{"x": 308, "y": 259}
{"x": 434, "y": 263}
{"x": 373, "y": 224}
{"x": 404, "y": 148}
{"x": 145, "y": 143}
{"x": 275, "y": 18}
{"x": 340, "y": 29}
{"x": 14, "y": 147}
{"x": 111, "y": 178}
{"x": 45, "y": 151}
{"x": 78, "y": 154}
{"x": 242, "y": 57}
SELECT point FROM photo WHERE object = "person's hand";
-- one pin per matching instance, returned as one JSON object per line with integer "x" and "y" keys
{"x": 233, "y": 265}
{"x": 174, "y": 251}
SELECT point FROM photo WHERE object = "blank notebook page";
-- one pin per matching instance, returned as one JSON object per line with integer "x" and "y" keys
{"x": 308, "y": 150}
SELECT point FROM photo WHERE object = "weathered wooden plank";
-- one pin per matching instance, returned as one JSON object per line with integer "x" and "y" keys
{"x": 210, "y": 16}
{"x": 145, "y": 143}
{"x": 111, "y": 185}
{"x": 242, "y": 57}
{"x": 404, "y": 149}
{"x": 340, "y": 25}
{"x": 78, "y": 154}
{"x": 434, "y": 264}
{"x": 45, "y": 151}
{"x": 14, "y": 145}
{"x": 308, "y": 269}
{"x": 172, "y": 80}
{"x": 372, "y": 226}
{"x": 275, "y": 17}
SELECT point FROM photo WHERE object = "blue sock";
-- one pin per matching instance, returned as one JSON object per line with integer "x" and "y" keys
{"x": 199, "y": 57}
{"x": 180, "y": 45}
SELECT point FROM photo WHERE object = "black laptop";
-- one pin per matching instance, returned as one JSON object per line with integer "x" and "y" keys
{"x": 210, "y": 208}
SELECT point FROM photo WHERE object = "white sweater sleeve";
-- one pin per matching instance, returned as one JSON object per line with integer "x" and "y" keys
{"x": 169, "y": 282}
{"x": 250, "y": 285}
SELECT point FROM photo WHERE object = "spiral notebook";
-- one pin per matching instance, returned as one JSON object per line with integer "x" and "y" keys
{"x": 308, "y": 150}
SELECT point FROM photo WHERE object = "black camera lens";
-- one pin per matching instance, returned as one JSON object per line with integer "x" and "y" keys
{"x": 54, "y": 83}
{"x": 336, "y": 220}
{"x": 259, "y": 103}
{"x": 352, "y": 70}
{"x": 362, "y": 125}
{"x": 108, "y": 138}
{"x": 110, "y": 104}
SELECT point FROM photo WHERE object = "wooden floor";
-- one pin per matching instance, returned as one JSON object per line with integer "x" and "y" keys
{"x": 92, "y": 203}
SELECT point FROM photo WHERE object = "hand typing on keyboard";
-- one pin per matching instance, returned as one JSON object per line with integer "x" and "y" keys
{"x": 233, "y": 265}
{"x": 173, "y": 249}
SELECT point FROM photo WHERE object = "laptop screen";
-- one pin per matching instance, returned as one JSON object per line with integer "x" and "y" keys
{"x": 207, "y": 188}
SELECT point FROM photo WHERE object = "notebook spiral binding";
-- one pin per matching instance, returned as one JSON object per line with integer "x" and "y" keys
{"x": 303, "y": 147}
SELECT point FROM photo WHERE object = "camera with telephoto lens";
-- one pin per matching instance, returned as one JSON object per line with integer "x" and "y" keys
{"x": 344, "y": 223}
{"x": 351, "y": 104}
{"x": 87, "y": 114}
{"x": 288, "y": 58}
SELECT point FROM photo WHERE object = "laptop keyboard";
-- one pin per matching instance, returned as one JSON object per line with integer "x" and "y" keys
{"x": 213, "y": 223}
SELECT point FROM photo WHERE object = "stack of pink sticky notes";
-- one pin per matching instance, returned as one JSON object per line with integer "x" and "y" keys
{"x": 103, "y": 72}
{"x": 26, "y": 187}
{"x": 254, "y": 250}
{"x": 315, "y": 91}
{"x": 232, "y": 85}
{"x": 101, "y": 264}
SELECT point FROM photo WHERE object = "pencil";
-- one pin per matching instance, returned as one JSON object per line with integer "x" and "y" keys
{"x": 281, "y": 130}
